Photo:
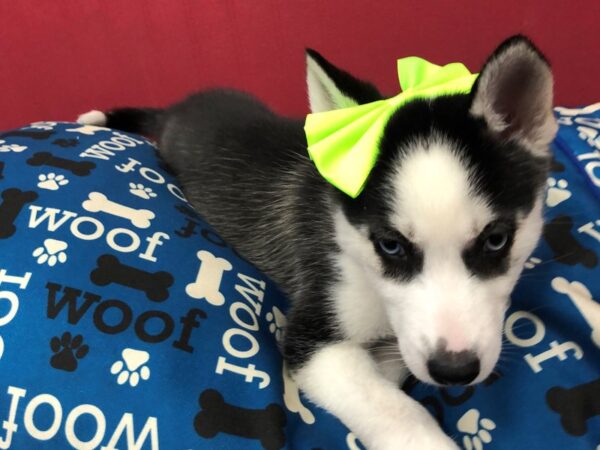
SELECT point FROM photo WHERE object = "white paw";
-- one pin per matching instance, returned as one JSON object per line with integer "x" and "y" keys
{"x": 557, "y": 192}
{"x": 93, "y": 117}
{"x": 423, "y": 433}
{"x": 51, "y": 252}
{"x": 477, "y": 431}
{"x": 51, "y": 181}
{"x": 141, "y": 191}
{"x": 132, "y": 368}
{"x": 277, "y": 322}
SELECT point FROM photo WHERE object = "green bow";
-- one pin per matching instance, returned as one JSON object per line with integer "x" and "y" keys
{"x": 344, "y": 143}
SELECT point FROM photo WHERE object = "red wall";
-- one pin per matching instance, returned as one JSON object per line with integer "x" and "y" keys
{"x": 63, "y": 57}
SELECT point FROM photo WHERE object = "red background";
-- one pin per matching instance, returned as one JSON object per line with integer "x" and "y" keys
{"x": 60, "y": 58}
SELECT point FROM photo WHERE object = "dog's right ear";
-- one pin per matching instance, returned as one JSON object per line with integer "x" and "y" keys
{"x": 332, "y": 88}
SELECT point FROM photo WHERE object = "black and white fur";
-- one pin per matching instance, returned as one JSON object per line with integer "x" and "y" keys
{"x": 456, "y": 196}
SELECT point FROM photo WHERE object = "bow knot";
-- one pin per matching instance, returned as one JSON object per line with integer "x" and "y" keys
{"x": 344, "y": 143}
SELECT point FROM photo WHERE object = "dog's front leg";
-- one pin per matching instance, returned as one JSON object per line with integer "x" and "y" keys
{"x": 343, "y": 379}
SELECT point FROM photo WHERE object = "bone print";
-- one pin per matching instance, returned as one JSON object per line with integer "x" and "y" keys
{"x": 13, "y": 200}
{"x": 98, "y": 202}
{"x": 582, "y": 299}
{"x": 265, "y": 425}
{"x": 110, "y": 270}
{"x": 37, "y": 135}
{"x": 291, "y": 398}
{"x": 79, "y": 168}
{"x": 566, "y": 248}
{"x": 575, "y": 406}
{"x": 208, "y": 280}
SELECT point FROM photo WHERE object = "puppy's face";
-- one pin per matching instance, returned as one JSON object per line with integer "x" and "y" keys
{"x": 451, "y": 212}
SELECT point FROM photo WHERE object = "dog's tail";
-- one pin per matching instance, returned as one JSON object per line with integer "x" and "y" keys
{"x": 146, "y": 121}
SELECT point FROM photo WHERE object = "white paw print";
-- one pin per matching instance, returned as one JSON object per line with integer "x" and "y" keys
{"x": 557, "y": 192}
{"x": 11, "y": 147}
{"x": 51, "y": 181}
{"x": 141, "y": 191}
{"x": 477, "y": 432}
{"x": 532, "y": 262}
{"x": 51, "y": 252}
{"x": 132, "y": 368}
{"x": 277, "y": 322}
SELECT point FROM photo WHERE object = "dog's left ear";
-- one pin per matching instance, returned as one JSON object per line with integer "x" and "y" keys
{"x": 514, "y": 93}
{"x": 330, "y": 87}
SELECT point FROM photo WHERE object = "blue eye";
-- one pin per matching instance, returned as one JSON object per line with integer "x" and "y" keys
{"x": 391, "y": 247}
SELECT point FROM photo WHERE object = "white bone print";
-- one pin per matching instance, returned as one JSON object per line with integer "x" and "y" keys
{"x": 291, "y": 398}
{"x": 208, "y": 280}
{"x": 98, "y": 202}
{"x": 582, "y": 299}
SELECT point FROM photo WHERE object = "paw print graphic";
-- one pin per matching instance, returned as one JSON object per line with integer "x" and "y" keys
{"x": 277, "y": 322}
{"x": 51, "y": 181}
{"x": 532, "y": 262}
{"x": 67, "y": 351}
{"x": 51, "y": 252}
{"x": 557, "y": 192}
{"x": 477, "y": 431}
{"x": 11, "y": 147}
{"x": 141, "y": 191}
{"x": 131, "y": 367}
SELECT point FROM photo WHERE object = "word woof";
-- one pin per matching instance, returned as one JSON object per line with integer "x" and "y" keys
{"x": 124, "y": 430}
{"x": 113, "y": 316}
{"x": 239, "y": 341}
{"x": 8, "y": 314}
{"x": 105, "y": 150}
{"x": 562, "y": 351}
{"x": 89, "y": 228}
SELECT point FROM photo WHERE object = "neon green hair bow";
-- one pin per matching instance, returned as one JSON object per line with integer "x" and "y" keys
{"x": 344, "y": 143}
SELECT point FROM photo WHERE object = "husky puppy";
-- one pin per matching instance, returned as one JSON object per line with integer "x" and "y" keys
{"x": 424, "y": 259}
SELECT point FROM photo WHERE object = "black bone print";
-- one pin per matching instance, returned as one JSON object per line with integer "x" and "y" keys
{"x": 64, "y": 143}
{"x": 111, "y": 270}
{"x": 37, "y": 135}
{"x": 79, "y": 168}
{"x": 556, "y": 166}
{"x": 266, "y": 425}
{"x": 13, "y": 200}
{"x": 575, "y": 405}
{"x": 567, "y": 250}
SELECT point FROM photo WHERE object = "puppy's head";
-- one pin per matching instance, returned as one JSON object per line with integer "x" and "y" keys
{"x": 452, "y": 209}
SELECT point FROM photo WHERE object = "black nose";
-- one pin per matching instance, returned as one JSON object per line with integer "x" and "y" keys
{"x": 453, "y": 367}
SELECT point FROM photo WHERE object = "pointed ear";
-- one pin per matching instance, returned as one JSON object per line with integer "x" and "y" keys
{"x": 514, "y": 92}
{"x": 332, "y": 88}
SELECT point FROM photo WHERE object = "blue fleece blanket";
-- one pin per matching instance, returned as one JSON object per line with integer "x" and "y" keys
{"x": 127, "y": 323}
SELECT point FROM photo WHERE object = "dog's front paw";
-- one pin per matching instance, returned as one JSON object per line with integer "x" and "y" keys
{"x": 423, "y": 434}
{"x": 418, "y": 441}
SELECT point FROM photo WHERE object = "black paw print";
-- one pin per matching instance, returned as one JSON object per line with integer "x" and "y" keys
{"x": 67, "y": 351}
{"x": 65, "y": 142}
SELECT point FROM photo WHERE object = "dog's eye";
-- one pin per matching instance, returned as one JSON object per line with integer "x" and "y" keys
{"x": 391, "y": 247}
{"x": 496, "y": 241}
